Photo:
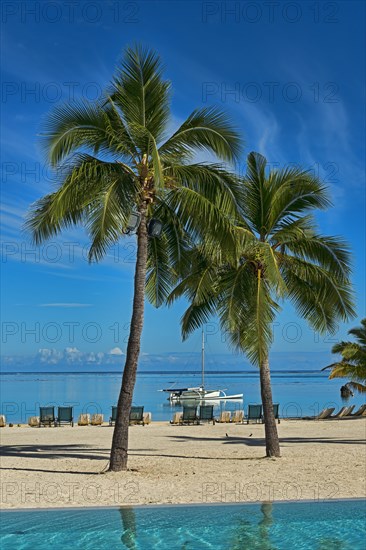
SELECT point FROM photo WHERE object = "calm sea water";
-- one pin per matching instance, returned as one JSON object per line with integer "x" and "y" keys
{"x": 299, "y": 393}
{"x": 337, "y": 525}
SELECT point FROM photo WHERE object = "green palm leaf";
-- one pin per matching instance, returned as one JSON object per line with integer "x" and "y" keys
{"x": 207, "y": 129}
{"x": 353, "y": 363}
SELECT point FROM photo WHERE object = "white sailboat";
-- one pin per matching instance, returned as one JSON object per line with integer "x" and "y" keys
{"x": 199, "y": 393}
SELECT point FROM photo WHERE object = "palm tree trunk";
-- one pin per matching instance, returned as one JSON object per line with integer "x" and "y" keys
{"x": 119, "y": 450}
{"x": 272, "y": 442}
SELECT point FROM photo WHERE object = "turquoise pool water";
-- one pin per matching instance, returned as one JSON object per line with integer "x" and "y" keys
{"x": 332, "y": 525}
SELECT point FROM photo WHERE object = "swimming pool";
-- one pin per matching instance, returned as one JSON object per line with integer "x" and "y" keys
{"x": 331, "y": 525}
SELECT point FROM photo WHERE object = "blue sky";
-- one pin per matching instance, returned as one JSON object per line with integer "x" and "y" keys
{"x": 290, "y": 74}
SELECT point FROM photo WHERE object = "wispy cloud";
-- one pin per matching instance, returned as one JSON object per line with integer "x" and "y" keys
{"x": 65, "y": 304}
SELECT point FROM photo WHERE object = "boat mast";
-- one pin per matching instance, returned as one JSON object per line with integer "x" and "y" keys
{"x": 203, "y": 359}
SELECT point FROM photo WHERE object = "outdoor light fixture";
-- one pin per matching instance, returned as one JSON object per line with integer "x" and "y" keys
{"x": 133, "y": 222}
{"x": 154, "y": 228}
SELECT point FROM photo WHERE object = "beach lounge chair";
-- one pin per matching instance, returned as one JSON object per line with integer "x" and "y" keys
{"x": 344, "y": 411}
{"x": 84, "y": 419}
{"x": 65, "y": 416}
{"x": 46, "y": 416}
{"x": 276, "y": 409}
{"x": 237, "y": 417}
{"x": 325, "y": 413}
{"x": 113, "y": 418}
{"x": 97, "y": 419}
{"x": 137, "y": 415}
{"x": 206, "y": 413}
{"x": 224, "y": 417}
{"x": 147, "y": 417}
{"x": 33, "y": 421}
{"x": 254, "y": 413}
{"x": 361, "y": 411}
{"x": 189, "y": 415}
{"x": 177, "y": 418}
{"x": 2, "y": 421}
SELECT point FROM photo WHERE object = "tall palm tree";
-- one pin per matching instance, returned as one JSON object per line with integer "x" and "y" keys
{"x": 353, "y": 363}
{"x": 280, "y": 255}
{"x": 113, "y": 157}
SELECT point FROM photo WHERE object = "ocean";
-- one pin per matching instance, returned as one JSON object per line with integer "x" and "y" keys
{"x": 299, "y": 393}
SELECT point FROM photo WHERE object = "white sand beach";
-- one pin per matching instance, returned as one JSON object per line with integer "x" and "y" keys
{"x": 53, "y": 467}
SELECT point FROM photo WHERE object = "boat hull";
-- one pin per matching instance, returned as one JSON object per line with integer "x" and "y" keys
{"x": 214, "y": 395}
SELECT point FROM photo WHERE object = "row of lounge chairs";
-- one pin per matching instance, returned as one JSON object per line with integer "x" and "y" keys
{"x": 190, "y": 415}
{"x": 47, "y": 416}
{"x": 342, "y": 413}
{"x": 205, "y": 413}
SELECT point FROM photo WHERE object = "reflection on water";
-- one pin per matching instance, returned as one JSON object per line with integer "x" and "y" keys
{"x": 255, "y": 536}
{"x": 332, "y": 544}
{"x": 129, "y": 534}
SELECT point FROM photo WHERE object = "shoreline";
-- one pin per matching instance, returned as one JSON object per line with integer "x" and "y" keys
{"x": 45, "y": 468}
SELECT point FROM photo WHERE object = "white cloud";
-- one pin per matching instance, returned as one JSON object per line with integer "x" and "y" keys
{"x": 72, "y": 350}
{"x": 116, "y": 351}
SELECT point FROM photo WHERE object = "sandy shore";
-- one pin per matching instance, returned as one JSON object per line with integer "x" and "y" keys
{"x": 46, "y": 467}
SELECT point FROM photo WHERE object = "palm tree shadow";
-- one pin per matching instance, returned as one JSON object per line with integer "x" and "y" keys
{"x": 260, "y": 442}
{"x": 53, "y": 452}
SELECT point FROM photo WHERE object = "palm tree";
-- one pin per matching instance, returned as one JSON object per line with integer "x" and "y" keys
{"x": 353, "y": 363}
{"x": 113, "y": 158}
{"x": 280, "y": 255}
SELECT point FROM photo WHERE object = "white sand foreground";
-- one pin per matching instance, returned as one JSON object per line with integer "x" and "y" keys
{"x": 52, "y": 467}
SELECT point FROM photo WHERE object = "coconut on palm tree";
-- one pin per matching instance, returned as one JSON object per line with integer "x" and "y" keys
{"x": 113, "y": 157}
{"x": 280, "y": 256}
{"x": 353, "y": 362}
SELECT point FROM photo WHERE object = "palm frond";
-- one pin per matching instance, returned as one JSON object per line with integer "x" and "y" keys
{"x": 359, "y": 387}
{"x": 71, "y": 126}
{"x": 317, "y": 294}
{"x": 360, "y": 332}
{"x": 141, "y": 93}
{"x": 246, "y": 312}
{"x": 331, "y": 253}
{"x": 342, "y": 369}
{"x": 207, "y": 129}
{"x": 212, "y": 181}
{"x": 160, "y": 277}
{"x": 294, "y": 192}
{"x": 204, "y": 220}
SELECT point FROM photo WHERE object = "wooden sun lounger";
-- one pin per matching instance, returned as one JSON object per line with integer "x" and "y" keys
{"x": 361, "y": 411}
{"x": 325, "y": 413}
{"x": 224, "y": 417}
{"x": 237, "y": 417}
{"x": 344, "y": 411}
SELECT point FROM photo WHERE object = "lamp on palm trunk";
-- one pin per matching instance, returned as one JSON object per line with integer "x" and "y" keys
{"x": 133, "y": 223}
{"x": 154, "y": 228}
